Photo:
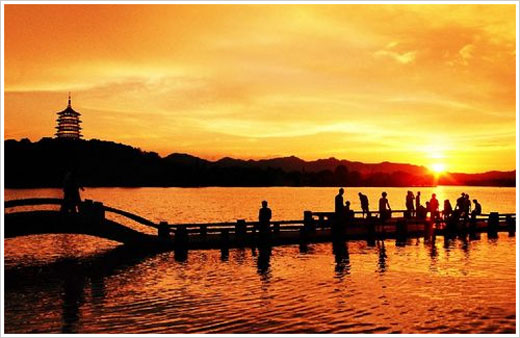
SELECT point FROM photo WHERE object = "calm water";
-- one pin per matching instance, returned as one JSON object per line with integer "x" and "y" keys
{"x": 65, "y": 283}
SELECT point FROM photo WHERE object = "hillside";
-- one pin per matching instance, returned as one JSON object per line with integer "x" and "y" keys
{"x": 103, "y": 163}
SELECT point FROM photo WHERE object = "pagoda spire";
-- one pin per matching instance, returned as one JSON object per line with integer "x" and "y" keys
{"x": 69, "y": 105}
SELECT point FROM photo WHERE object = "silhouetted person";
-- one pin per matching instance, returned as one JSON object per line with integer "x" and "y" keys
{"x": 264, "y": 218}
{"x": 364, "y": 203}
{"x": 421, "y": 212}
{"x": 460, "y": 202}
{"x": 338, "y": 202}
{"x": 418, "y": 200}
{"x": 428, "y": 209}
{"x": 339, "y": 211}
{"x": 349, "y": 213}
{"x": 434, "y": 207}
{"x": 477, "y": 210}
{"x": 71, "y": 197}
{"x": 467, "y": 204}
{"x": 409, "y": 203}
{"x": 384, "y": 208}
{"x": 447, "y": 211}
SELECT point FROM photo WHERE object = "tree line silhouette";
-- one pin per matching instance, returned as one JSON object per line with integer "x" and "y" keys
{"x": 109, "y": 164}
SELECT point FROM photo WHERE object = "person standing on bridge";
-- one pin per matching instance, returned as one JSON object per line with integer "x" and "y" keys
{"x": 434, "y": 208}
{"x": 364, "y": 203}
{"x": 264, "y": 218}
{"x": 339, "y": 211}
{"x": 385, "y": 211}
{"x": 409, "y": 204}
{"x": 71, "y": 196}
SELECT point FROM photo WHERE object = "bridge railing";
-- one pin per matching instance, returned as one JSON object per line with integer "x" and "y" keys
{"x": 87, "y": 204}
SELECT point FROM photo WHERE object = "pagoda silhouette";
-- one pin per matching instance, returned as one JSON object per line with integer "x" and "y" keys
{"x": 68, "y": 123}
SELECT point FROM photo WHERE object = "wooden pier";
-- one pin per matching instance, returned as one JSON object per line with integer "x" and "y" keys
{"x": 313, "y": 227}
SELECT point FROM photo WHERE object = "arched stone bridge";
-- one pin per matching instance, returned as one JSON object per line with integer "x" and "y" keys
{"x": 90, "y": 220}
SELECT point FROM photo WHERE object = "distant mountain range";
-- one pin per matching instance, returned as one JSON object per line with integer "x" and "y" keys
{"x": 293, "y": 163}
{"x": 104, "y": 163}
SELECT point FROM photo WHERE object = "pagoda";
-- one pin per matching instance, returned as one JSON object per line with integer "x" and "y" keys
{"x": 68, "y": 123}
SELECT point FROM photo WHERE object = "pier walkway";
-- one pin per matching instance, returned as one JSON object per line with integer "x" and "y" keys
{"x": 314, "y": 227}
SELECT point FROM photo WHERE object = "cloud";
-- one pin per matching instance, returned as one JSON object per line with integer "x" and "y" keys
{"x": 404, "y": 58}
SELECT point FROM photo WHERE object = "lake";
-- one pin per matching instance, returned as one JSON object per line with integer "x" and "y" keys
{"x": 73, "y": 283}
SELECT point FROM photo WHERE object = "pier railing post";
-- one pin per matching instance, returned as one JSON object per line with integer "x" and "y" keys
{"x": 181, "y": 235}
{"x": 276, "y": 228}
{"x": 85, "y": 207}
{"x": 308, "y": 222}
{"x": 321, "y": 221}
{"x": 371, "y": 231}
{"x": 240, "y": 231}
{"x": 98, "y": 212}
{"x": 493, "y": 225}
{"x": 164, "y": 230}
{"x": 203, "y": 230}
{"x": 240, "y": 228}
{"x": 224, "y": 238}
{"x": 511, "y": 225}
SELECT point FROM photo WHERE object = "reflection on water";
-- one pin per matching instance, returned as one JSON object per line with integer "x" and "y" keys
{"x": 73, "y": 283}
{"x": 448, "y": 287}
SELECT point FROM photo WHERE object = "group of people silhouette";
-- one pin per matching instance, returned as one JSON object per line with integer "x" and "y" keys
{"x": 414, "y": 208}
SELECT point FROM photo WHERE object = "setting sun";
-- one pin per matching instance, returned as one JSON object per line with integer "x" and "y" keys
{"x": 438, "y": 168}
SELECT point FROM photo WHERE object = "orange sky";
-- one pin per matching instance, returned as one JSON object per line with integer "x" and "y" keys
{"x": 422, "y": 84}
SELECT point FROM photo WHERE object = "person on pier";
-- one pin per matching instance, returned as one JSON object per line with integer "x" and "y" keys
{"x": 385, "y": 211}
{"x": 434, "y": 207}
{"x": 477, "y": 210}
{"x": 364, "y": 203}
{"x": 418, "y": 200}
{"x": 71, "y": 196}
{"x": 447, "y": 211}
{"x": 264, "y": 218}
{"x": 460, "y": 202}
{"x": 339, "y": 211}
{"x": 467, "y": 205}
{"x": 349, "y": 213}
{"x": 409, "y": 204}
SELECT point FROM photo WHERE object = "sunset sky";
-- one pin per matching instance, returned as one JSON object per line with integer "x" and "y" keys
{"x": 423, "y": 84}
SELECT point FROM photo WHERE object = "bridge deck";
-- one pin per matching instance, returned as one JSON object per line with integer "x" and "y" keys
{"x": 315, "y": 227}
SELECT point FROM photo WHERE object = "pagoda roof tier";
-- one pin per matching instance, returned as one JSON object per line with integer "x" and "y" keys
{"x": 69, "y": 111}
{"x": 72, "y": 120}
{"x": 71, "y": 135}
{"x": 64, "y": 128}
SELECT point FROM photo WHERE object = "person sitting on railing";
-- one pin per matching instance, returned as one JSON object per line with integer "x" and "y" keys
{"x": 477, "y": 210}
{"x": 349, "y": 213}
{"x": 264, "y": 218}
